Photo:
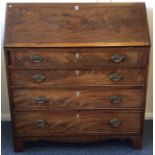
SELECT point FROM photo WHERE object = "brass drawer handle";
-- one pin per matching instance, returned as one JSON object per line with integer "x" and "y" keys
{"x": 117, "y": 58}
{"x": 116, "y": 77}
{"x": 38, "y": 77}
{"x": 114, "y": 122}
{"x": 37, "y": 58}
{"x": 40, "y": 100}
{"x": 115, "y": 99}
{"x": 40, "y": 123}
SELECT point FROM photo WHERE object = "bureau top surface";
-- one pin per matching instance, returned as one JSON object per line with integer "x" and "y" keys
{"x": 76, "y": 25}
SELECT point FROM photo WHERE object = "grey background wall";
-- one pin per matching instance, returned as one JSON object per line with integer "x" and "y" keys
{"x": 5, "y": 112}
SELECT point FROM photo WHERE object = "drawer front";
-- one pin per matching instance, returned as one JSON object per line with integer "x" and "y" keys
{"x": 77, "y": 77}
{"x": 46, "y": 123}
{"x": 76, "y": 98}
{"x": 76, "y": 57}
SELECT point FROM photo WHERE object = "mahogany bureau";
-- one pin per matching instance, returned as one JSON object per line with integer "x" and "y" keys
{"x": 77, "y": 72}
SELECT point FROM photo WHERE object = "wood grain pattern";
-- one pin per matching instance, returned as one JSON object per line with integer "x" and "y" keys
{"x": 69, "y": 77}
{"x": 68, "y": 99}
{"x": 54, "y": 58}
{"x": 136, "y": 139}
{"x": 60, "y": 25}
{"x": 76, "y": 88}
{"x": 75, "y": 122}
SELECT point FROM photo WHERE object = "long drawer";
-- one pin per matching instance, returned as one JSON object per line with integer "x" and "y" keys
{"x": 77, "y": 77}
{"x": 76, "y": 98}
{"x": 65, "y": 122}
{"x": 76, "y": 57}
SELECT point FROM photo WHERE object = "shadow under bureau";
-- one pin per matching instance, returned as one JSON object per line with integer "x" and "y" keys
{"x": 76, "y": 72}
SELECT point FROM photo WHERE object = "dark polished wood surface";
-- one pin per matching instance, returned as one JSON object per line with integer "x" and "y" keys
{"x": 61, "y": 25}
{"x": 70, "y": 77}
{"x": 58, "y": 58}
{"x": 76, "y": 98}
{"x": 65, "y": 122}
{"x": 77, "y": 72}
